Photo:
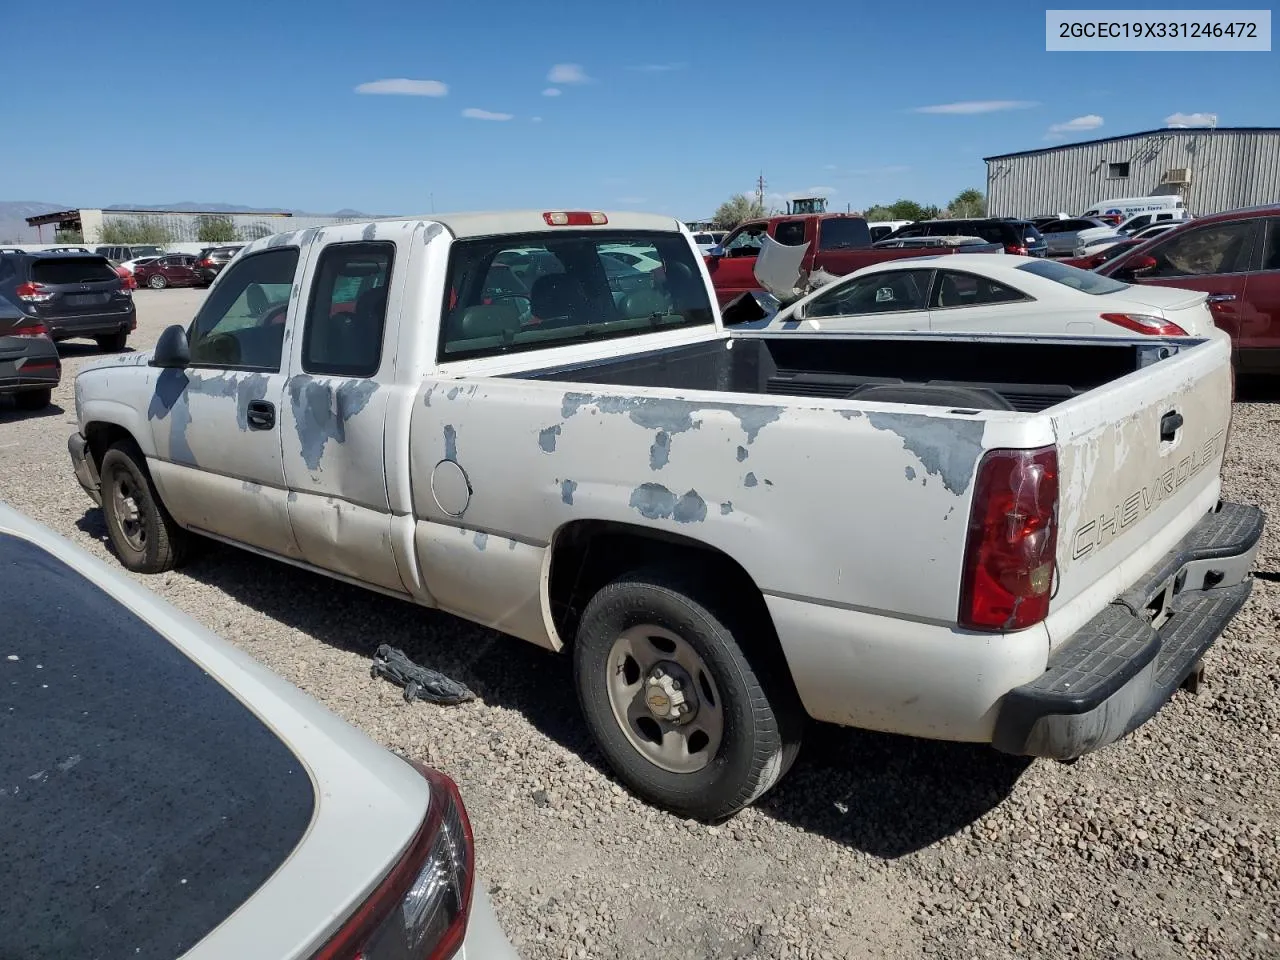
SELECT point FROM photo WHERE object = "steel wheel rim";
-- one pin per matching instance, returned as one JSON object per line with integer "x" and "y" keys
{"x": 688, "y": 744}
{"x": 127, "y": 512}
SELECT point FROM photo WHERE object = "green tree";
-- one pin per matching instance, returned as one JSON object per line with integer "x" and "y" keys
{"x": 69, "y": 236}
{"x": 737, "y": 209}
{"x": 968, "y": 203}
{"x": 216, "y": 230}
{"x": 136, "y": 230}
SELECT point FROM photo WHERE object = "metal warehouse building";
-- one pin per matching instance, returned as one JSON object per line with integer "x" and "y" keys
{"x": 1212, "y": 169}
{"x": 178, "y": 227}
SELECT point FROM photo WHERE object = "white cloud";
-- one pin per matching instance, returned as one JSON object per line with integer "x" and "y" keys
{"x": 1090, "y": 121}
{"x": 406, "y": 88}
{"x": 1191, "y": 120}
{"x": 567, "y": 73}
{"x": 658, "y": 67}
{"x": 551, "y": 92}
{"x": 977, "y": 106}
{"x": 535, "y": 119}
{"x": 477, "y": 114}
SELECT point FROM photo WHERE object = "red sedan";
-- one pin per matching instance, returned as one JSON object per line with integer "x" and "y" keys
{"x": 172, "y": 270}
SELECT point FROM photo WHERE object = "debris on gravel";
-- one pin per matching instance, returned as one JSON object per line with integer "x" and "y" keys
{"x": 1164, "y": 845}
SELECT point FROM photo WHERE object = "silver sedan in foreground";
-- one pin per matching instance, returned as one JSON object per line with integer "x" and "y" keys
{"x": 162, "y": 794}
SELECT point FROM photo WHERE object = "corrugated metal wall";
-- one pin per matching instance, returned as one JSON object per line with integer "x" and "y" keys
{"x": 1229, "y": 169}
{"x": 186, "y": 226}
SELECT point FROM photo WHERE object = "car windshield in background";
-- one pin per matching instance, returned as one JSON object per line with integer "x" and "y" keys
{"x": 513, "y": 293}
{"x": 64, "y": 270}
{"x": 128, "y": 831}
{"x": 1083, "y": 280}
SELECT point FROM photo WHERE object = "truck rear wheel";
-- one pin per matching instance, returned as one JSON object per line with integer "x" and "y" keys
{"x": 687, "y": 718}
{"x": 145, "y": 537}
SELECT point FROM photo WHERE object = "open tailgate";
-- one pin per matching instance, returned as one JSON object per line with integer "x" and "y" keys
{"x": 1122, "y": 484}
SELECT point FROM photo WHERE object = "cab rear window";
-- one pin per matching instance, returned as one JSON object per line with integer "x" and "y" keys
{"x": 64, "y": 270}
{"x": 529, "y": 292}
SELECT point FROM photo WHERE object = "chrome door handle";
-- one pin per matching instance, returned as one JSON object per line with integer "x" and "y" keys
{"x": 1221, "y": 297}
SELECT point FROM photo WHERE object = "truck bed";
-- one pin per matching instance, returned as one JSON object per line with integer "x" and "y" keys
{"x": 1021, "y": 375}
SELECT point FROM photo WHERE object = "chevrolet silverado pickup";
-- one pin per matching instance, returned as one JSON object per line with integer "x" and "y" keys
{"x": 835, "y": 244}
{"x": 1009, "y": 540}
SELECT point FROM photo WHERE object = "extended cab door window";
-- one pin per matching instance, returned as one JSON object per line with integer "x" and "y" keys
{"x": 241, "y": 325}
{"x": 747, "y": 241}
{"x": 790, "y": 233}
{"x": 348, "y": 310}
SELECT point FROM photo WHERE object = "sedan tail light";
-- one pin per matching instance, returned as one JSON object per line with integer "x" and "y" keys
{"x": 34, "y": 293}
{"x": 27, "y": 330}
{"x": 1141, "y": 323}
{"x": 1015, "y": 250}
{"x": 420, "y": 909}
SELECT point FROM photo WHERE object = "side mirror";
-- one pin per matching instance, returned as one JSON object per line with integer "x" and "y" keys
{"x": 1141, "y": 264}
{"x": 171, "y": 350}
{"x": 716, "y": 252}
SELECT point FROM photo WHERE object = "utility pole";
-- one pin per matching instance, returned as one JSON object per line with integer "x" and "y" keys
{"x": 760, "y": 185}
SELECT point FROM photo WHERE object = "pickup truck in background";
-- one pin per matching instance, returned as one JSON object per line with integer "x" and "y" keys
{"x": 838, "y": 244}
{"x": 1016, "y": 541}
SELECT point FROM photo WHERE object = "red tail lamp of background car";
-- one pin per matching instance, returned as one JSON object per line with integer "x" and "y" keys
{"x": 1141, "y": 323}
{"x": 1013, "y": 536}
{"x": 33, "y": 293}
{"x": 420, "y": 908}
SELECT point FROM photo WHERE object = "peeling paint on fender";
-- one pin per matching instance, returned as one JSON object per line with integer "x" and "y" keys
{"x": 660, "y": 452}
{"x": 742, "y": 454}
{"x": 726, "y": 508}
{"x": 547, "y": 438}
{"x": 450, "y": 442}
{"x": 656, "y": 502}
{"x": 567, "y": 487}
{"x": 948, "y": 449}
{"x": 370, "y": 232}
{"x": 749, "y": 480}
{"x": 481, "y": 540}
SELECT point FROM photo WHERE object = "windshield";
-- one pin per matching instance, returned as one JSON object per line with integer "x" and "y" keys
{"x": 1083, "y": 280}
{"x": 511, "y": 294}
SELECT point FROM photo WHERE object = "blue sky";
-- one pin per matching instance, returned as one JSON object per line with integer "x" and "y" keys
{"x": 663, "y": 106}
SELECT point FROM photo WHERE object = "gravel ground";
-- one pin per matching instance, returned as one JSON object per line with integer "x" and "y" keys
{"x": 1165, "y": 845}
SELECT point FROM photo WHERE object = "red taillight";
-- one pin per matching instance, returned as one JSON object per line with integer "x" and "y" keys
{"x": 205, "y": 263}
{"x": 1013, "y": 536}
{"x": 1015, "y": 250}
{"x": 28, "y": 330}
{"x": 33, "y": 292}
{"x": 420, "y": 909}
{"x": 29, "y": 365}
{"x": 574, "y": 218}
{"x": 1141, "y": 323}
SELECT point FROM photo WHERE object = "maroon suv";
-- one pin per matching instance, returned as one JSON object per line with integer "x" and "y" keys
{"x": 1234, "y": 257}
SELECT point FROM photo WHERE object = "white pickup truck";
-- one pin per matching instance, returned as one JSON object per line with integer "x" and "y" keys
{"x": 538, "y": 422}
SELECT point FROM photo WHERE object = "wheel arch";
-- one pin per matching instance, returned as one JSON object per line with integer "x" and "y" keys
{"x": 584, "y": 555}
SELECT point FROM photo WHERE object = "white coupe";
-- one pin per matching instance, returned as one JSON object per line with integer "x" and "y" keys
{"x": 995, "y": 293}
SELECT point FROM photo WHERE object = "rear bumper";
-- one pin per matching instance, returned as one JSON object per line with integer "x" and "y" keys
{"x": 89, "y": 324}
{"x": 86, "y": 470}
{"x": 1119, "y": 669}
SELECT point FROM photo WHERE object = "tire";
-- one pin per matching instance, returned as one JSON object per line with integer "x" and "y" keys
{"x": 762, "y": 719}
{"x": 157, "y": 281}
{"x": 33, "y": 399}
{"x": 115, "y": 343}
{"x": 150, "y": 541}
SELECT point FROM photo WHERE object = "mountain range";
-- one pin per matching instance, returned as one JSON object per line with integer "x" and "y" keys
{"x": 14, "y": 213}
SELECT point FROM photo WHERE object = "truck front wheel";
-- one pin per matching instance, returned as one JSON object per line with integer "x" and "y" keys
{"x": 145, "y": 537}
{"x": 685, "y": 716}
